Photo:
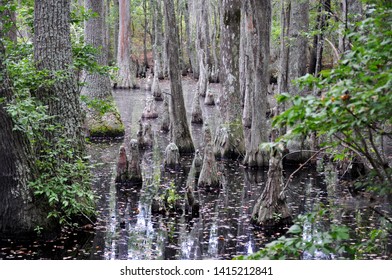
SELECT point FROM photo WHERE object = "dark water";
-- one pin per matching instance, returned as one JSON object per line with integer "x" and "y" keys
{"x": 126, "y": 228}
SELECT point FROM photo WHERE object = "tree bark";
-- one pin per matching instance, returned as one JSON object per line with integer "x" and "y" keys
{"x": 20, "y": 212}
{"x": 193, "y": 62}
{"x": 123, "y": 52}
{"x": 298, "y": 44}
{"x": 271, "y": 208}
{"x": 157, "y": 48}
{"x": 229, "y": 141}
{"x": 180, "y": 133}
{"x": 52, "y": 52}
{"x": 258, "y": 29}
{"x": 97, "y": 85}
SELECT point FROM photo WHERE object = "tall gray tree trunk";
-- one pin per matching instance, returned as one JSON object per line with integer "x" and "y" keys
{"x": 97, "y": 85}
{"x": 116, "y": 27}
{"x": 123, "y": 52}
{"x": 52, "y": 52}
{"x": 298, "y": 43}
{"x": 145, "y": 61}
{"x": 229, "y": 140}
{"x": 20, "y": 211}
{"x": 258, "y": 28}
{"x": 214, "y": 71}
{"x": 180, "y": 133}
{"x": 157, "y": 48}
{"x": 191, "y": 47}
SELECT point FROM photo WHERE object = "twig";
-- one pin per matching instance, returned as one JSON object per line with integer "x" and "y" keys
{"x": 300, "y": 167}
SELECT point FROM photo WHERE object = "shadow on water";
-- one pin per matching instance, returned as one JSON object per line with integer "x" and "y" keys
{"x": 126, "y": 228}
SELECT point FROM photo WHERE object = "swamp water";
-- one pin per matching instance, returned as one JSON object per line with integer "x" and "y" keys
{"x": 126, "y": 228}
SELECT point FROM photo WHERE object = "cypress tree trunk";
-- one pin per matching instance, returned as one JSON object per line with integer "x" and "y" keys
{"x": 157, "y": 48}
{"x": 180, "y": 133}
{"x": 20, "y": 211}
{"x": 258, "y": 27}
{"x": 229, "y": 140}
{"x": 52, "y": 52}
{"x": 193, "y": 62}
{"x": 97, "y": 85}
{"x": 123, "y": 52}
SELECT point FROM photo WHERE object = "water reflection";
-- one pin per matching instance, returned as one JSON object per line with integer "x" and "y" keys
{"x": 126, "y": 228}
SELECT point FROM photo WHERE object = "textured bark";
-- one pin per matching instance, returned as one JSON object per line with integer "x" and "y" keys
{"x": 134, "y": 170}
{"x": 193, "y": 62}
{"x": 52, "y": 52}
{"x": 180, "y": 133}
{"x": 157, "y": 49}
{"x": 165, "y": 126}
{"x": 20, "y": 211}
{"x": 202, "y": 84}
{"x": 149, "y": 111}
{"x": 230, "y": 142}
{"x": 272, "y": 202}
{"x": 123, "y": 52}
{"x": 122, "y": 166}
{"x": 209, "y": 177}
{"x": 197, "y": 114}
{"x": 214, "y": 69}
{"x": 97, "y": 85}
{"x": 298, "y": 44}
{"x": 284, "y": 48}
{"x": 145, "y": 61}
{"x": 172, "y": 156}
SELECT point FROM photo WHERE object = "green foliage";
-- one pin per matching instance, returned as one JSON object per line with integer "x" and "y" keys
{"x": 170, "y": 196}
{"x": 64, "y": 180}
{"x": 60, "y": 173}
{"x": 99, "y": 105}
{"x": 354, "y": 104}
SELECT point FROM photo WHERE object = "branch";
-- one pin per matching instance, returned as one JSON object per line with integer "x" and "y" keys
{"x": 301, "y": 165}
{"x": 336, "y": 52}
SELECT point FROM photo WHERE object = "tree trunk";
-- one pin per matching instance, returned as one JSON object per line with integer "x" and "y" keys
{"x": 52, "y": 52}
{"x": 180, "y": 133}
{"x": 189, "y": 42}
{"x": 214, "y": 71}
{"x": 20, "y": 211}
{"x": 229, "y": 141}
{"x": 97, "y": 85}
{"x": 258, "y": 28}
{"x": 299, "y": 25}
{"x": 271, "y": 208}
{"x": 116, "y": 7}
{"x": 157, "y": 48}
{"x": 123, "y": 52}
{"x": 316, "y": 55}
{"x": 351, "y": 13}
{"x": 145, "y": 61}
